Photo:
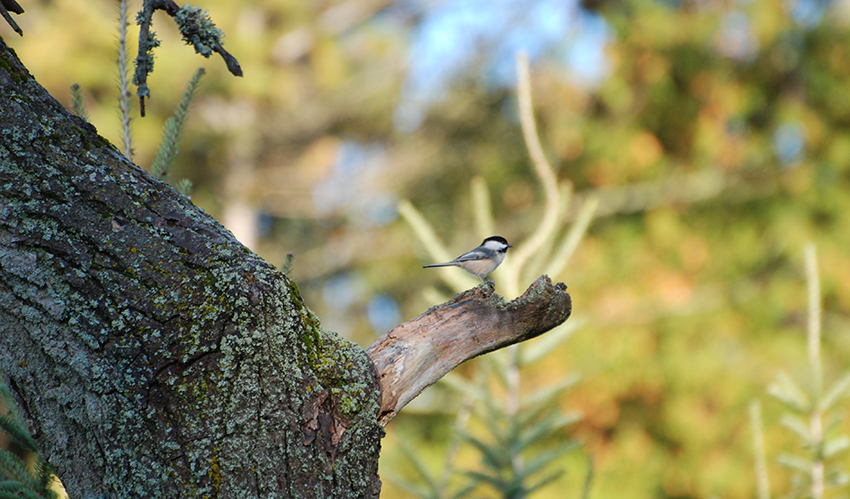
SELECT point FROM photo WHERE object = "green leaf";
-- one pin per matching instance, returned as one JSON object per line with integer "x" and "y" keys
{"x": 786, "y": 391}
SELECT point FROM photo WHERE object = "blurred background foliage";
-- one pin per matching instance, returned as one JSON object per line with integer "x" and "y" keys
{"x": 715, "y": 135}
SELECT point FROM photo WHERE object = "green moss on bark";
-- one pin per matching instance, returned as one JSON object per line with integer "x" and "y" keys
{"x": 154, "y": 354}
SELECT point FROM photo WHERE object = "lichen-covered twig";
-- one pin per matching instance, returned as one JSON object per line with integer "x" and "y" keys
{"x": 230, "y": 61}
{"x": 197, "y": 30}
{"x": 147, "y": 42}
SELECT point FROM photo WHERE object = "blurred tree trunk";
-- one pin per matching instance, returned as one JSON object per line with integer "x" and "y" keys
{"x": 151, "y": 353}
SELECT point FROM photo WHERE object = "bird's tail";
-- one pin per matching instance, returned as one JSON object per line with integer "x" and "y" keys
{"x": 433, "y": 265}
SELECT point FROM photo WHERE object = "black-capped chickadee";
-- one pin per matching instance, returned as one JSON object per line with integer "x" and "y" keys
{"x": 482, "y": 260}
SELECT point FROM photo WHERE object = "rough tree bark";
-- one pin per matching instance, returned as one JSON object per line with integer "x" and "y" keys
{"x": 414, "y": 355}
{"x": 152, "y": 354}
{"x": 155, "y": 356}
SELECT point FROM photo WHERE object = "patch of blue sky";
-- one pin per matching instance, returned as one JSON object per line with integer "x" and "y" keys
{"x": 789, "y": 143}
{"x": 383, "y": 313}
{"x": 454, "y": 38}
{"x": 350, "y": 188}
{"x": 807, "y": 13}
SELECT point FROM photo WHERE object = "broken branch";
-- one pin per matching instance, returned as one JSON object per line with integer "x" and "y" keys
{"x": 416, "y": 354}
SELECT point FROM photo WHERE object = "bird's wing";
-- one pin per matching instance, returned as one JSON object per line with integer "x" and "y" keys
{"x": 466, "y": 257}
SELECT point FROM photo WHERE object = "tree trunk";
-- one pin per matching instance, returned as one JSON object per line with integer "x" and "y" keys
{"x": 151, "y": 353}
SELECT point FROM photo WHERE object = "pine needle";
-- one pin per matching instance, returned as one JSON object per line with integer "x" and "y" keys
{"x": 17, "y": 433}
{"x": 12, "y": 468}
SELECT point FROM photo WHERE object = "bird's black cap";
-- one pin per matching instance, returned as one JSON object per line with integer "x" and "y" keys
{"x": 498, "y": 239}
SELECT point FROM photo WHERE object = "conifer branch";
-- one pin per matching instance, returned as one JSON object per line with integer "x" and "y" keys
{"x": 173, "y": 130}
{"x": 763, "y": 485}
{"x": 816, "y": 431}
{"x": 124, "y": 82}
{"x": 184, "y": 187}
{"x": 17, "y": 433}
{"x": 288, "y": 265}
{"x": 78, "y": 102}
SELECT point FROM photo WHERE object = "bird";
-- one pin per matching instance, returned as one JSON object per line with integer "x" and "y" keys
{"x": 482, "y": 260}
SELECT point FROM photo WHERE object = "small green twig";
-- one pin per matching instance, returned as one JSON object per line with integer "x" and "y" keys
{"x": 813, "y": 327}
{"x": 184, "y": 187}
{"x": 763, "y": 485}
{"x": 173, "y": 129}
{"x": 813, "y": 334}
{"x": 288, "y": 265}
{"x": 78, "y": 102}
{"x": 124, "y": 81}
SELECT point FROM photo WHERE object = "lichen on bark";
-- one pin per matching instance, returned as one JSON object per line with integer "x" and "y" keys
{"x": 152, "y": 354}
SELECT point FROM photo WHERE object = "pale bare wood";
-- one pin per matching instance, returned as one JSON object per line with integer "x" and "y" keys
{"x": 416, "y": 354}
